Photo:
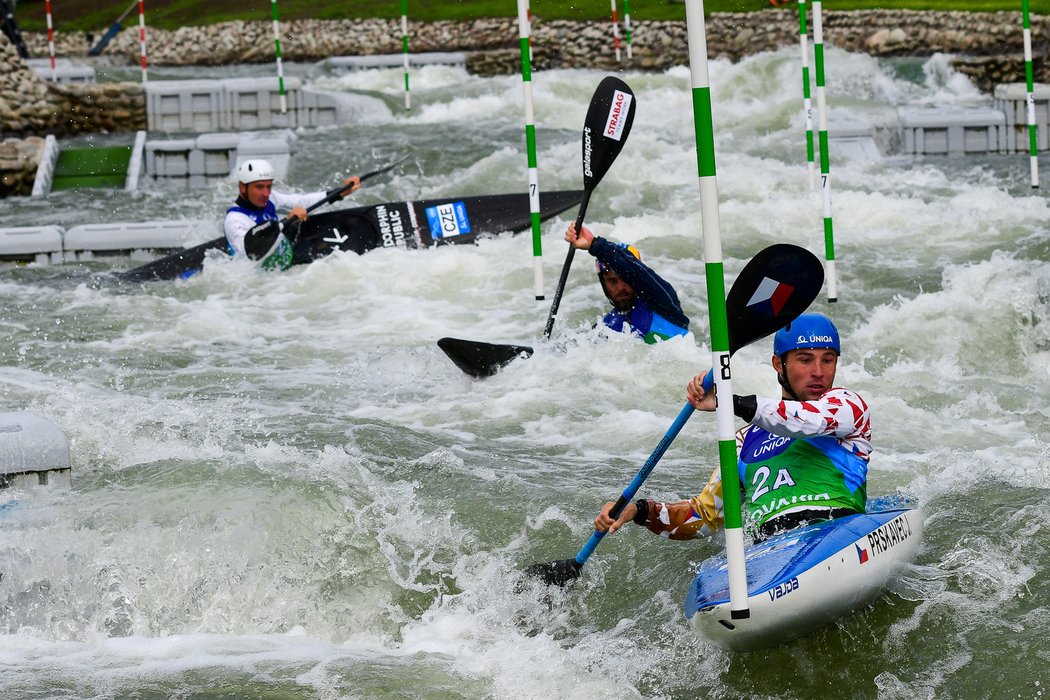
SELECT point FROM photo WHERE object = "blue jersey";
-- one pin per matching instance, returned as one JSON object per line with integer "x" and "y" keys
{"x": 657, "y": 314}
{"x": 267, "y": 213}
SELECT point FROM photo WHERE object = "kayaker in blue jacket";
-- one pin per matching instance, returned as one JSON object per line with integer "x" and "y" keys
{"x": 641, "y": 299}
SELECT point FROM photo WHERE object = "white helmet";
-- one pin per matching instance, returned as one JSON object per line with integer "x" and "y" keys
{"x": 254, "y": 171}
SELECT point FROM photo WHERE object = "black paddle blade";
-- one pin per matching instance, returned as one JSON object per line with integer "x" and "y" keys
{"x": 777, "y": 285}
{"x": 260, "y": 239}
{"x": 556, "y": 573}
{"x": 481, "y": 359}
{"x": 609, "y": 120}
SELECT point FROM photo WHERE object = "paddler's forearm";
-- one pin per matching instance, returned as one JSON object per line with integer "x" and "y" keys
{"x": 676, "y": 521}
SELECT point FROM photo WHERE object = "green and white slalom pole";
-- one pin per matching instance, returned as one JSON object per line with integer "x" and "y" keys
{"x": 404, "y": 49}
{"x": 825, "y": 163}
{"x": 703, "y": 125}
{"x": 807, "y": 101}
{"x": 277, "y": 51}
{"x": 1030, "y": 96}
{"x": 530, "y": 146}
{"x": 627, "y": 26}
{"x": 616, "y": 31}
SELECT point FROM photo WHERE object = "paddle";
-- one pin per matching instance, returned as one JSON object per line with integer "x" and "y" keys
{"x": 777, "y": 285}
{"x": 187, "y": 262}
{"x": 481, "y": 359}
{"x": 605, "y": 130}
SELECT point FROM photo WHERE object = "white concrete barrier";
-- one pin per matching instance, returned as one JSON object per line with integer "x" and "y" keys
{"x": 952, "y": 130}
{"x": 33, "y": 452}
{"x": 87, "y": 241}
{"x": 38, "y": 244}
{"x": 1012, "y": 100}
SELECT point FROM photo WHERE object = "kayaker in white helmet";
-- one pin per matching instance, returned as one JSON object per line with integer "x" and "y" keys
{"x": 257, "y": 202}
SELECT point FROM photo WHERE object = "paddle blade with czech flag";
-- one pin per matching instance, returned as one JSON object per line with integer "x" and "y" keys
{"x": 775, "y": 286}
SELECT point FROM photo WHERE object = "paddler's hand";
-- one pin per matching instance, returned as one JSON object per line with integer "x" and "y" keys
{"x": 581, "y": 241}
{"x": 700, "y": 399}
{"x": 351, "y": 184}
{"x": 605, "y": 523}
{"x": 297, "y": 213}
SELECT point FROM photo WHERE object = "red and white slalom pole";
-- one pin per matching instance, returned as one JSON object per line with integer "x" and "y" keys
{"x": 51, "y": 41}
{"x": 142, "y": 39}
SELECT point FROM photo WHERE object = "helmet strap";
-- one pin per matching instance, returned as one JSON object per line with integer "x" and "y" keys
{"x": 782, "y": 378}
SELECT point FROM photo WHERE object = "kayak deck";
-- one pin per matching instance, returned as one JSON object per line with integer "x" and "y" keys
{"x": 805, "y": 578}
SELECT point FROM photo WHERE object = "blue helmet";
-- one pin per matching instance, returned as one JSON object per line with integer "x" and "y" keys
{"x": 601, "y": 267}
{"x": 807, "y": 331}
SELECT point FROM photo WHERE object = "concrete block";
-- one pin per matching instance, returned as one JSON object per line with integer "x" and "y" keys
{"x": 169, "y": 157}
{"x": 88, "y": 240}
{"x": 255, "y": 103}
{"x": 952, "y": 130}
{"x": 1012, "y": 100}
{"x": 34, "y": 451}
{"x": 39, "y": 244}
{"x": 185, "y": 105}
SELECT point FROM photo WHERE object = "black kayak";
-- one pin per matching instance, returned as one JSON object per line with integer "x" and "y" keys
{"x": 420, "y": 224}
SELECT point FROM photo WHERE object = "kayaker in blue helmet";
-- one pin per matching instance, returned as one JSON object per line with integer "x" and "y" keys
{"x": 802, "y": 458}
{"x": 257, "y": 202}
{"x": 641, "y": 299}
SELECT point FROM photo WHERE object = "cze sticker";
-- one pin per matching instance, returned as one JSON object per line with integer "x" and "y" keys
{"x": 448, "y": 220}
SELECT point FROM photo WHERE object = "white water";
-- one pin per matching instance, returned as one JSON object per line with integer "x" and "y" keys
{"x": 281, "y": 485}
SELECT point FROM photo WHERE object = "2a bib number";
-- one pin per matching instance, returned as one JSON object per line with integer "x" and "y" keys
{"x": 762, "y": 475}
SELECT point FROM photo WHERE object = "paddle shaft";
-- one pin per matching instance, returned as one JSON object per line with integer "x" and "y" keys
{"x": 639, "y": 479}
{"x": 564, "y": 277}
{"x": 338, "y": 193}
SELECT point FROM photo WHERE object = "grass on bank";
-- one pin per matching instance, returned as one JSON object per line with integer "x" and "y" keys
{"x": 98, "y": 15}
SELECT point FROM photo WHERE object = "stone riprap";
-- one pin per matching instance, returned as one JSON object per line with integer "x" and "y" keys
{"x": 565, "y": 44}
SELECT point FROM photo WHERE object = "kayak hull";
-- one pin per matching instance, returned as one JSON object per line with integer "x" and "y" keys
{"x": 415, "y": 224}
{"x": 804, "y": 579}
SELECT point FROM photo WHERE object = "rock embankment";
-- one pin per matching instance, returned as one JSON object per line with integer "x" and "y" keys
{"x": 29, "y": 105}
{"x": 570, "y": 44}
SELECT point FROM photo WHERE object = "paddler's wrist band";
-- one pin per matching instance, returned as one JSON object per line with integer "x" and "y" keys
{"x": 642, "y": 516}
{"x": 745, "y": 407}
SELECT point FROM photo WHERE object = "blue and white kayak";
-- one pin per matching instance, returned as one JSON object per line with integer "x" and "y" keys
{"x": 805, "y": 578}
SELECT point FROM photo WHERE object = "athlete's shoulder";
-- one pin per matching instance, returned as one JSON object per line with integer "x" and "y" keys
{"x": 840, "y": 395}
